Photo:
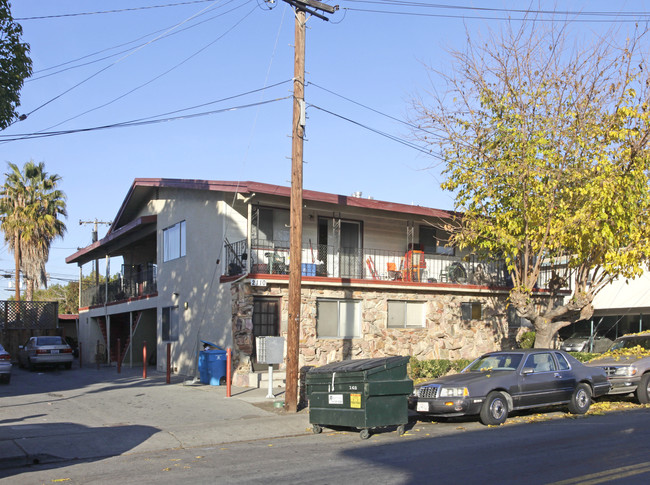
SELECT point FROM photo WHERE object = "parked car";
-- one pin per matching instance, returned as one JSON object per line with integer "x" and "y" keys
{"x": 500, "y": 382}
{"x": 5, "y": 365}
{"x": 583, "y": 343}
{"x": 627, "y": 364}
{"x": 39, "y": 351}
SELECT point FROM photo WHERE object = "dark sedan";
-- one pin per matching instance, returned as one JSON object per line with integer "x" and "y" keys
{"x": 500, "y": 382}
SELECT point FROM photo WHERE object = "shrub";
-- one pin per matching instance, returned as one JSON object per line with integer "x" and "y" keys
{"x": 431, "y": 369}
{"x": 527, "y": 340}
{"x": 585, "y": 356}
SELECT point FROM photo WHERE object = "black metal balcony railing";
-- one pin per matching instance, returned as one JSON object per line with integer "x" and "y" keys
{"x": 272, "y": 257}
{"x": 138, "y": 284}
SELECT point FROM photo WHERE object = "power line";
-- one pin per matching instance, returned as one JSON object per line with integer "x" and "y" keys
{"x": 116, "y": 62}
{"x": 153, "y": 117}
{"x": 124, "y": 44}
{"x": 136, "y": 123}
{"x": 579, "y": 17}
{"x": 120, "y": 10}
{"x": 196, "y": 53}
{"x": 410, "y": 125}
{"x": 501, "y": 10}
{"x": 381, "y": 133}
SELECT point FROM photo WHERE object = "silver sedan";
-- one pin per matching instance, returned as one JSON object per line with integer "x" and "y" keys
{"x": 45, "y": 351}
{"x": 5, "y": 365}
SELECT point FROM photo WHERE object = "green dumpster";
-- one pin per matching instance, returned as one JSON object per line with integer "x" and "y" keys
{"x": 362, "y": 394}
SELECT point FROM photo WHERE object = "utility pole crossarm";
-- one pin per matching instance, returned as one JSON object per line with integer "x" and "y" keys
{"x": 313, "y": 4}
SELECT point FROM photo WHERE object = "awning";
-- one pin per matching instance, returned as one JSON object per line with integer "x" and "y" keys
{"x": 114, "y": 243}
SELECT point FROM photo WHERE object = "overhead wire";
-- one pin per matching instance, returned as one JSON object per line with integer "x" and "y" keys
{"x": 189, "y": 108}
{"x": 119, "y": 10}
{"x": 136, "y": 123}
{"x": 118, "y": 61}
{"x": 410, "y": 125}
{"x": 379, "y": 132}
{"x": 497, "y": 9}
{"x": 178, "y": 31}
{"x": 527, "y": 14}
{"x": 176, "y": 66}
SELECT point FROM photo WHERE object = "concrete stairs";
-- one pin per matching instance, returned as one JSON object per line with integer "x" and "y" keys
{"x": 260, "y": 379}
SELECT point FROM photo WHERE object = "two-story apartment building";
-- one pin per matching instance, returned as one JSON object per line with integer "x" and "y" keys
{"x": 209, "y": 261}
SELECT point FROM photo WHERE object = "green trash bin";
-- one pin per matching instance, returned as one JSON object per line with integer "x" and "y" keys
{"x": 362, "y": 394}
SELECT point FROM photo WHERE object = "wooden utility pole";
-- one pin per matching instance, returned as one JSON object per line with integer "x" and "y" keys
{"x": 295, "y": 221}
{"x": 94, "y": 240}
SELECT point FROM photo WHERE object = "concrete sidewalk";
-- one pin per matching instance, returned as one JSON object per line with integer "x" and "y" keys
{"x": 56, "y": 415}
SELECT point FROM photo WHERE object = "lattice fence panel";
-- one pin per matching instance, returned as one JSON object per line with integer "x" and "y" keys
{"x": 30, "y": 315}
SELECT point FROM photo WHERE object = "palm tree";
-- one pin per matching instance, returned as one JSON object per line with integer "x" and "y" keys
{"x": 30, "y": 206}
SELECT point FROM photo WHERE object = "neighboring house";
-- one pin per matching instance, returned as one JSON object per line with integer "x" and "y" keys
{"x": 209, "y": 261}
{"x": 620, "y": 308}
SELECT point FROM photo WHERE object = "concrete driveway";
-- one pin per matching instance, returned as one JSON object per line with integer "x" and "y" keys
{"x": 55, "y": 414}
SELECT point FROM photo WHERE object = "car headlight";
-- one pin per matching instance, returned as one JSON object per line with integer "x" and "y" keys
{"x": 454, "y": 392}
{"x": 625, "y": 371}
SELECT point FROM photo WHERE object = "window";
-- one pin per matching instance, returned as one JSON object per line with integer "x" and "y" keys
{"x": 435, "y": 240}
{"x": 271, "y": 225}
{"x": 540, "y": 362}
{"x": 174, "y": 241}
{"x": 170, "y": 323}
{"x": 471, "y": 311}
{"x": 562, "y": 363}
{"x": 266, "y": 317}
{"x": 405, "y": 314}
{"x": 338, "y": 318}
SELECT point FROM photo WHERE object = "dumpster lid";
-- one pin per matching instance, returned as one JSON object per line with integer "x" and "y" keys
{"x": 360, "y": 365}
{"x": 210, "y": 346}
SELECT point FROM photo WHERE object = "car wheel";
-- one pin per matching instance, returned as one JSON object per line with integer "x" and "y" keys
{"x": 495, "y": 409}
{"x": 68, "y": 365}
{"x": 580, "y": 399}
{"x": 30, "y": 366}
{"x": 643, "y": 391}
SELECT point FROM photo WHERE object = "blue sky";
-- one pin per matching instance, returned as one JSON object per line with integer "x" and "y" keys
{"x": 104, "y": 62}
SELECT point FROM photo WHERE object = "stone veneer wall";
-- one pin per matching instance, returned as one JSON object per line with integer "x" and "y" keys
{"x": 445, "y": 335}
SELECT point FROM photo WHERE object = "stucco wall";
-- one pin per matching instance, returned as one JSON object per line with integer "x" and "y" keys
{"x": 192, "y": 282}
{"x": 445, "y": 334}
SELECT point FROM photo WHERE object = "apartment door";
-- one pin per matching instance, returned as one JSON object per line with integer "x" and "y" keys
{"x": 350, "y": 250}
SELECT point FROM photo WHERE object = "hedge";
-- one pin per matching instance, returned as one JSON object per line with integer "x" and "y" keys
{"x": 432, "y": 369}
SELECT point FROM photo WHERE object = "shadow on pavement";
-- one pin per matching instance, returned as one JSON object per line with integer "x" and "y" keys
{"x": 58, "y": 443}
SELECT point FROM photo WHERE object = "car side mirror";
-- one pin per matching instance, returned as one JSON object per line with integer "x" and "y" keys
{"x": 527, "y": 370}
{"x": 21, "y": 347}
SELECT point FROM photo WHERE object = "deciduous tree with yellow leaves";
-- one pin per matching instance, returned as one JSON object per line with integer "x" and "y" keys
{"x": 546, "y": 151}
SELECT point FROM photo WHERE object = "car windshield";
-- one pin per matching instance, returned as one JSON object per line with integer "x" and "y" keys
{"x": 579, "y": 335}
{"x": 630, "y": 342}
{"x": 494, "y": 362}
{"x": 49, "y": 341}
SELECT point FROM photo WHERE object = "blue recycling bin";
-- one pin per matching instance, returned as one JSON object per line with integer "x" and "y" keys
{"x": 204, "y": 374}
{"x": 216, "y": 367}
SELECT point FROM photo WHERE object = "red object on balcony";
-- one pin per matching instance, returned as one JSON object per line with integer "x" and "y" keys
{"x": 414, "y": 264}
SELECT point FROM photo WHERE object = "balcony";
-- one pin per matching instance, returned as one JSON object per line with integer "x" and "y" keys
{"x": 122, "y": 288}
{"x": 272, "y": 257}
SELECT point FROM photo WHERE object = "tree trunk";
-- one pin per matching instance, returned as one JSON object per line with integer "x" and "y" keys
{"x": 544, "y": 335}
{"x": 546, "y": 332}
{"x": 17, "y": 261}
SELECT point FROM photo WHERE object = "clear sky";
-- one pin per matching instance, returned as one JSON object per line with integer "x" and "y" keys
{"x": 100, "y": 63}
